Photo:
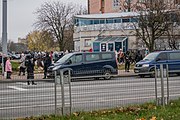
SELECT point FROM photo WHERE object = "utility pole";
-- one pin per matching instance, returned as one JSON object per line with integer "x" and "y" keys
{"x": 4, "y": 32}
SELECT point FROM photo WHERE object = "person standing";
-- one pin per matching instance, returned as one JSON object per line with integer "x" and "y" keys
{"x": 127, "y": 61}
{"x": 121, "y": 56}
{"x": 30, "y": 68}
{"x": 8, "y": 68}
{"x": 22, "y": 64}
{"x": 47, "y": 63}
{"x": 138, "y": 56}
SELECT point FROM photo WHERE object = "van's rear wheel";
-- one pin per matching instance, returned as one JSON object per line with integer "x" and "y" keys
{"x": 107, "y": 75}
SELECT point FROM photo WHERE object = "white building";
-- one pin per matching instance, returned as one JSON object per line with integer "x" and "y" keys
{"x": 110, "y": 32}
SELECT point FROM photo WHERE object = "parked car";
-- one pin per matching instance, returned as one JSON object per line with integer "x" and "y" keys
{"x": 13, "y": 56}
{"x": 87, "y": 64}
{"x": 172, "y": 58}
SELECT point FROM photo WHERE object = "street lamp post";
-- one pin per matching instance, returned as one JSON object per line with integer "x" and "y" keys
{"x": 4, "y": 32}
{"x": 4, "y": 29}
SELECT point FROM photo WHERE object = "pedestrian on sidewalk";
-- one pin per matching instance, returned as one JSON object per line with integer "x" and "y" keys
{"x": 22, "y": 64}
{"x": 127, "y": 61}
{"x": 121, "y": 57}
{"x": 30, "y": 62}
{"x": 8, "y": 68}
{"x": 138, "y": 56}
{"x": 47, "y": 63}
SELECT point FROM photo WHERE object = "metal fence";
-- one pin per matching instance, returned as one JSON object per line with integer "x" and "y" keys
{"x": 69, "y": 93}
{"x": 17, "y": 99}
{"x": 86, "y": 93}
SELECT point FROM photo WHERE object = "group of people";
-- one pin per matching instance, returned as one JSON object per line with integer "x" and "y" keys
{"x": 27, "y": 63}
{"x": 127, "y": 58}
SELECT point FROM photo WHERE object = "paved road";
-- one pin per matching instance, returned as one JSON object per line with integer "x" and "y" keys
{"x": 17, "y": 99}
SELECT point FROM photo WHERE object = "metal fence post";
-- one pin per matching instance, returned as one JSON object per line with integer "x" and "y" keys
{"x": 167, "y": 75}
{"x": 62, "y": 91}
{"x": 55, "y": 91}
{"x": 162, "y": 85}
{"x": 156, "y": 84}
{"x": 69, "y": 79}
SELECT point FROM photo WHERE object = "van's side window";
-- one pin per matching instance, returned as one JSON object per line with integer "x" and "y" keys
{"x": 76, "y": 58}
{"x": 162, "y": 56}
{"x": 92, "y": 57}
{"x": 106, "y": 56}
{"x": 174, "y": 56}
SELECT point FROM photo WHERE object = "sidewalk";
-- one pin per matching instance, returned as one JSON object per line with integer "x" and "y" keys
{"x": 122, "y": 73}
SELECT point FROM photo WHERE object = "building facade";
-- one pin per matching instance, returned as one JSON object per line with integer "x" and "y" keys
{"x": 111, "y": 6}
{"x": 112, "y": 31}
{"x": 105, "y": 32}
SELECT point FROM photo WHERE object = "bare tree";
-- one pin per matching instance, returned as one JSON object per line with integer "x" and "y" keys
{"x": 173, "y": 32}
{"x": 153, "y": 22}
{"x": 57, "y": 18}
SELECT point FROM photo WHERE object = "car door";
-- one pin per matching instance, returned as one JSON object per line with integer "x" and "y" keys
{"x": 92, "y": 63}
{"x": 75, "y": 63}
{"x": 162, "y": 59}
{"x": 174, "y": 61}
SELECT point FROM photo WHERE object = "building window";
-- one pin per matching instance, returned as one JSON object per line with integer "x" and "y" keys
{"x": 116, "y": 20}
{"x": 87, "y": 43}
{"x": 125, "y": 20}
{"x": 116, "y": 3}
{"x": 109, "y": 20}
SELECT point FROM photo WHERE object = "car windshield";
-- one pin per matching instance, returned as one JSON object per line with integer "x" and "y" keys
{"x": 64, "y": 58}
{"x": 151, "y": 56}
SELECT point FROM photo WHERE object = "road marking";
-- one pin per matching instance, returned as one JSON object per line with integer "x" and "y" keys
{"x": 17, "y": 88}
{"x": 21, "y": 83}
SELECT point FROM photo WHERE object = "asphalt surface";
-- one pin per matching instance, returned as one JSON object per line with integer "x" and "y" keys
{"x": 17, "y": 99}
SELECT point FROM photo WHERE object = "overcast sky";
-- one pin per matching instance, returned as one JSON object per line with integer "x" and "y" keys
{"x": 21, "y": 16}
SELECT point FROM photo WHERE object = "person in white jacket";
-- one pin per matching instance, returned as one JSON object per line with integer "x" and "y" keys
{"x": 22, "y": 64}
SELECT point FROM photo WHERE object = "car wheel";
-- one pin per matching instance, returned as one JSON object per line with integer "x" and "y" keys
{"x": 107, "y": 74}
{"x": 152, "y": 75}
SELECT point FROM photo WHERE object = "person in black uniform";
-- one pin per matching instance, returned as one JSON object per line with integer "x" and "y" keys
{"x": 47, "y": 62}
{"x": 30, "y": 68}
{"x": 127, "y": 61}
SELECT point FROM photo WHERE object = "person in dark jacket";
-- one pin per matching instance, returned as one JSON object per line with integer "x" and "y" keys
{"x": 138, "y": 56}
{"x": 127, "y": 61}
{"x": 47, "y": 63}
{"x": 30, "y": 68}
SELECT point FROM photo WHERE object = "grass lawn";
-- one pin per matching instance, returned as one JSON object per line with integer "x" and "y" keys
{"x": 139, "y": 112}
{"x": 15, "y": 68}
